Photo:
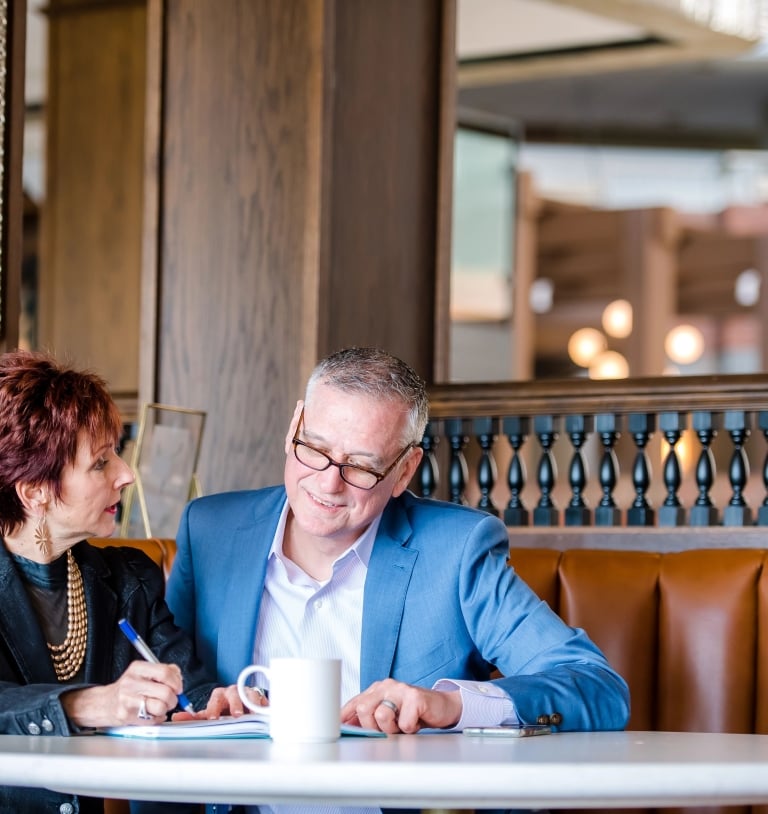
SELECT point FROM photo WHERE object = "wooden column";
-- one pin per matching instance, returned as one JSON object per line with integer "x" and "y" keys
{"x": 11, "y": 137}
{"x": 649, "y": 278}
{"x": 90, "y": 267}
{"x": 294, "y": 201}
{"x": 522, "y": 350}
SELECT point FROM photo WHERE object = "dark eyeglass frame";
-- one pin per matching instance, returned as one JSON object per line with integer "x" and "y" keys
{"x": 297, "y": 442}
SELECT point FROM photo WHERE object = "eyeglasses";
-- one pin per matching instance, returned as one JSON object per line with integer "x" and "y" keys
{"x": 354, "y": 475}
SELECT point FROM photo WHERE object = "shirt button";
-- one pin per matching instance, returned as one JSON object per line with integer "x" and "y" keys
{"x": 66, "y": 808}
{"x": 47, "y": 725}
{"x": 33, "y": 728}
{"x": 318, "y": 604}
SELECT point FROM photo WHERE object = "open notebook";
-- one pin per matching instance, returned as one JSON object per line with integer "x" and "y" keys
{"x": 244, "y": 726}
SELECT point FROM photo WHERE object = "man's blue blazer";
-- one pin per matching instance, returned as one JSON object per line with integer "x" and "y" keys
{"x": 439, "y": 601}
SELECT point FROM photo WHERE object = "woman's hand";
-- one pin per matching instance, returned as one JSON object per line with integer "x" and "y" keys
{"x": 224, "y": 701}
{"x": 144, "y": 687}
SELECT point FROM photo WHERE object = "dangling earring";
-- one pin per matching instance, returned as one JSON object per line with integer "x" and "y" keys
{"x": 43, "y": 535}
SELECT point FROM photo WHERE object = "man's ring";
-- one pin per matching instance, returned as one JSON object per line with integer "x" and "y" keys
{"x": 385, "y": 702}
{"x": 142, "y": 714}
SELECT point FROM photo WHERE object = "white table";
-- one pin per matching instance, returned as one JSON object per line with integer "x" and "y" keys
{"x": 603, "y": 769}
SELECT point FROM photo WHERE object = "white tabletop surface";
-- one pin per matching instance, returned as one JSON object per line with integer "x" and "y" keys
{"x": 601, "y": 769}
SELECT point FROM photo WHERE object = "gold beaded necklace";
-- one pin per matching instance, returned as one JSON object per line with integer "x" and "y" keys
{"x": 68, "y": 656}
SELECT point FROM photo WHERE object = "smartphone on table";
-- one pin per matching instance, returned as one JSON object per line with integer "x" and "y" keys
{"x": 512, "y": 731}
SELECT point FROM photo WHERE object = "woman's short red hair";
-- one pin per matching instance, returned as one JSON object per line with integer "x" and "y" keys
{"x": 44, "y": 405}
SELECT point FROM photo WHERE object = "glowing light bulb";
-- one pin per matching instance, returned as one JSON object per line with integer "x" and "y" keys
{"x": 585, "y": 344}
{"x": 617, "y": 319}
{"x": 684, "y": 344}
{"x": 609, "y": 365}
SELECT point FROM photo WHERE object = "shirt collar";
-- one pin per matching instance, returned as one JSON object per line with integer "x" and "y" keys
{"x": 361, "y": 548}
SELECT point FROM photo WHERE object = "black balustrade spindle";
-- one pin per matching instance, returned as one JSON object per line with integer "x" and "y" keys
{"x": 457, "y": 431}
{"x": 428, "y": 476}
{"x": 641, "y": 427}
{"x": 671, "y": 512}
{"x": 703, "y": 512}
{"x": 486, "y": 430}
{"x": 762, "y": 512}
{"x": 545, "y": 511}
{"x": 737, "y": 513}
{"x": 578, "y": 428}
{"x": 517, "y": 429}
{"x": 608, "y": 426}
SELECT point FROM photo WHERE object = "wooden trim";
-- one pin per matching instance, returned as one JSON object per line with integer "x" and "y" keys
{"x": 446, "y": 136}
{"x": 59, "y": 8}
{"x": 13, "y": 194}
{"x": 653, "y": 394}
{"x": 638, "y": 538}
{"x": 153, "y": 206}
{"x": 320, "y": 177}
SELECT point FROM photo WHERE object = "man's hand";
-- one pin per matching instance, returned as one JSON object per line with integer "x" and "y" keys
{"x": 393, "y": 707}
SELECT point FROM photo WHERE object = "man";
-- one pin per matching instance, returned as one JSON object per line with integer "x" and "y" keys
{"x": 413, "y": 595}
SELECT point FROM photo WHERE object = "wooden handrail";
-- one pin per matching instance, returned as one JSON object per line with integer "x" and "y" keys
{"x": 621, "y": 396}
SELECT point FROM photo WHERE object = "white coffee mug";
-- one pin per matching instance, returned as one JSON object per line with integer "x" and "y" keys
{"x": 304, "y": 698}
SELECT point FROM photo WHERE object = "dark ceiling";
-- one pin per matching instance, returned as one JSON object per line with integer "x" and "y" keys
{"x": 722, "y": 104}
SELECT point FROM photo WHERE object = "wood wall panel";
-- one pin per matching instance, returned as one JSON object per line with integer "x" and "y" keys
{"x": 91, "y": 223}
{"x": 235, "y": 187}
{"x": 12, "y": 208}
{"x": 384, "y": 179}
{"x": 298, "y": 190}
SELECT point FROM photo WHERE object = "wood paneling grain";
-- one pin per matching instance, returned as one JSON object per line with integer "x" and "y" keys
{"x": 91, "y": 222}
{"x": 298, "y": 206}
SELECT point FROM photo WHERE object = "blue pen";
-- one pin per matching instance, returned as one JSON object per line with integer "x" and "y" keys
{"x": 148, "y": 655}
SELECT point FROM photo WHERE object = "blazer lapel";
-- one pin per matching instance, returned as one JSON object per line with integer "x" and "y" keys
{"x": 19, "y": 628}
{"x": 250, "y": 547}
{"x": 102, "y": 615}
{"x": 389, "y": 573}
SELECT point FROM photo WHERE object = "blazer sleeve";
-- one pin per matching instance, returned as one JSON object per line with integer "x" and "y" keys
{"x": 547, "y": 667}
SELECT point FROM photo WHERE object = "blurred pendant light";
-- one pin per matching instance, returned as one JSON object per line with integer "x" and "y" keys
{"x": 585, "y": 344}
{"x": 609, "y": 365}
{"x": 684, "y": 344}
{"x": 617, "y": 319}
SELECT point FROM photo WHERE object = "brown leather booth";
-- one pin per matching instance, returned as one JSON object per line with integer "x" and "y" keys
{"x": 687, "y": 630}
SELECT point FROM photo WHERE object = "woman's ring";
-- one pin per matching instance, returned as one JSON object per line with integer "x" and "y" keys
{"x": 142, "y": 714}
{"x": 385, "y": 702}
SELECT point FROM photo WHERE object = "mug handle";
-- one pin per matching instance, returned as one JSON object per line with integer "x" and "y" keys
{"x": 242, "y": 678}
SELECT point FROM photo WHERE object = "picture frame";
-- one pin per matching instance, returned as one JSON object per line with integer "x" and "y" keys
{"x": 164, "y": 459}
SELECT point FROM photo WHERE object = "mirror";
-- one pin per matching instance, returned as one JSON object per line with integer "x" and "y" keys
{"x": 482, "y": 249}
{"x": 640, "y": 134}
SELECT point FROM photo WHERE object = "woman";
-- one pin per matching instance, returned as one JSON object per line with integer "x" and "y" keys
{"x": 65, "y": 666}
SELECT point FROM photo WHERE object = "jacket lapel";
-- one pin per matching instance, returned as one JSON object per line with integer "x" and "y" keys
{"x": 250, "y": 547}
{"x": 389, "y": 573}
{"x": 19, "y": 629}
{"x": 101, "y": 605}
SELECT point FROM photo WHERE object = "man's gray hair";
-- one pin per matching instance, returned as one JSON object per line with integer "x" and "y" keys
{"x": 379, "y": 375}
